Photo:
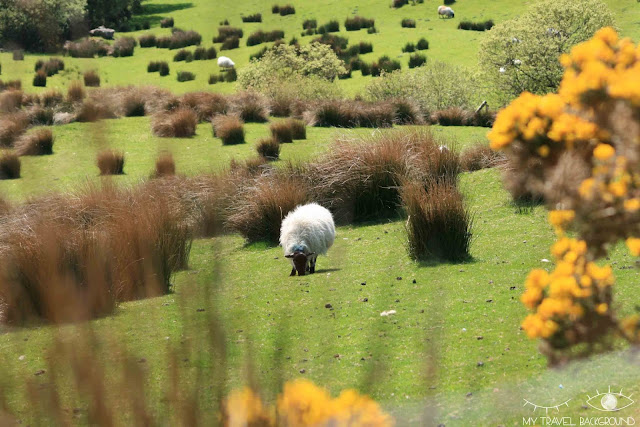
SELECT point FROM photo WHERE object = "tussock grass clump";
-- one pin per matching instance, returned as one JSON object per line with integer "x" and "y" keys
{"x": 454, "y": 116}
{"x": 298, "y": 129}
{"x": 287, "y": 9}
{"x": 337, "y": 43}
{"x": 18, "y": 55}
{"x": 91, "y": 78}
{"x": 406, "y": 112}
{"x": 40, "y": 79}
{"x": 399, "y": 3}
{"x": 87, "y": 48}
{"x": 179, "y": 123}
{"x": 183, "y": 55}
{"x": 269, "y": 148}
{"x": 110, "y": 162}
{"x": 51, "y": 98}
{"x": 348, "y": 114}
{"x": 9, "y": 165}
{"x": 180, "y": 39}
{"x": 205, "y": 104}
{"x": 422, "y": 44}
{"x": 329, "y": 27}
{"x": 153, "y": 66}
{"x": 185, "y": 76}
{"x": 281, "y": 131}
{"x": 260, "y": 206}
{"x": 309, "y": 24}
{"x": 231, "y": 75}
{"x": 230, "y": 43}
{"x": 256, "y": 17}
{"x": 73, "y": 257}
{"x": 359, "y": 179}
{"x": 167, "y": 23}
{"x": 476, "y": 26}
{"x": 165, "y": 166}
{"x": 417, "y": 60}
{"x": 134, "y": 104}
{"x": 10, "y": 84}
{"x": 409, "y": 47}
{"x": 11, "y": 101}
{"x": 227, "y": 32}
{"x": 260, "y": 36}
{"x": 40, "y": 116}
{"x": 250, "y": 106}
{"x": 124, "y": 46}
{"x": 201, "y": 53}
{"x": 76, "y": 92}
{"x": 480, "y": 156}
{"x": 358, "y": 22}
{"x": 408, "y": 23}
{"x": 38, "y": 143}
{"x": 229, "y": 128}
{"x": 163, "y": 68}
{"x": 12, "y": 125}
{"x": 438, "y": 224}
{"x": 147, "y": 40}
{"x": 92, "y": 111}
{"x": 385, "y": 64}
{"x": 215, "y": 78}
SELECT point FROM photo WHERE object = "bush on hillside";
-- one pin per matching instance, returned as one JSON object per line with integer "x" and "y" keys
{"x": 522, "y": 54}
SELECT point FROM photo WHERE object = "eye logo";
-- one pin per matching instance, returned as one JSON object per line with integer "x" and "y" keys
{"x": 609, "y": 401}
{"x": 546, "y": 408}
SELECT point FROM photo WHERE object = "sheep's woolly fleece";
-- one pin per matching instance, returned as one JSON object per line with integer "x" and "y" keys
{"x": 310, "y": 227}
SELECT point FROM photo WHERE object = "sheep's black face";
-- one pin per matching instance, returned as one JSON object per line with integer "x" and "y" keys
{"x": 300, "y": 263}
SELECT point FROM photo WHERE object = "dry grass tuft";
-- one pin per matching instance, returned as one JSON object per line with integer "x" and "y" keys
{"x": 359, "y": 179}
{"x": 92, "y": 110}
{"x": 180, "y": 123}
{"x": 73, "y": 257}
{"x": 349, "y": 114}
{"x": 438, "y": 224}
{"x": 282, "y": 131}
{"x": 76, "y": 92}
{"x": 165, "y": 165}
{"x": 91, "y": 78}
{"x": 480, "y": 156}
{"x": 250, "y": 106}
{"x": 269, "y": 148}
{"x": 9, "y": 165}
{"x": 228, "y": 128}
{"x": 110, "y": 162}
{"x": 259, "y": 207}
{"x": 11, "y": 127}
{"x": 37, "y": 143}
{"x": 10, "y": 101}
{"x": 205, "y": 104}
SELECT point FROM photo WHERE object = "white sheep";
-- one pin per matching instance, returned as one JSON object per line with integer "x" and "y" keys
{"x": 306, "y": 232}
{"x": 224, "y": 62}
{"x": 446, "y": 11}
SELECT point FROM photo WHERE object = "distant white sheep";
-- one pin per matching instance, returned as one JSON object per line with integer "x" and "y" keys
{"x": 224, "y": 62}
{"x": 306, "y": 232}
{"x": 446, "y": 12}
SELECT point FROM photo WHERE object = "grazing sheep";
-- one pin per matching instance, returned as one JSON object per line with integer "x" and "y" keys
{"x": 446, "y": 12}
{"x": 306, "y": 232}
{"x": 224, "y": 62}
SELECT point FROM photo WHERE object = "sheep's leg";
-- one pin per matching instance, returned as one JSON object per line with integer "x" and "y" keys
{"x": 312, "y": 263}
{"x": 293, "y": 272}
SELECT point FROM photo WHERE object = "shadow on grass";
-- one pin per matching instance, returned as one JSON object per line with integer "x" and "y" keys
{"x": 526, "y": 205}
{"x": 327, "y": 270}
{"x": 437, "y": 262}
{"x": 159, "y": 9}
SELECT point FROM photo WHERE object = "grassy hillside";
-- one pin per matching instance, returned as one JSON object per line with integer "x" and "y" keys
{"x": 453, "y": 354}
{"x": 447, "y": 43}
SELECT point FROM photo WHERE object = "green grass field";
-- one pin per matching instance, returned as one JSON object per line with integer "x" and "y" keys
{"x": 423, "y": 363}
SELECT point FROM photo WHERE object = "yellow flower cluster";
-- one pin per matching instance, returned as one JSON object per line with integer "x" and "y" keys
{"x": 542, "y": 122}
{"x": 560, "y": 219}
{"x": 631, "y": 328}
{"x": 304, "y": 404}
{"x": 562, "y": 298}
{"x": 603, "y": 67}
